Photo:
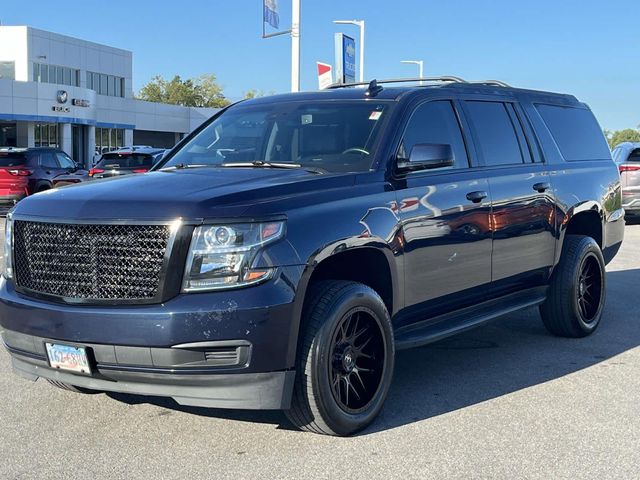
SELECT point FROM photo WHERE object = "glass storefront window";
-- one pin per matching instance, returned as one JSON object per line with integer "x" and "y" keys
{"x": 53, "y": 74}
{"x": 8, "y": 136}
{"x": 108, "y": 139}
{"x": 46, "y": 135}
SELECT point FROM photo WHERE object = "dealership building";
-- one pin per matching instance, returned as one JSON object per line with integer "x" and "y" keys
{"x": 78, "y": 96}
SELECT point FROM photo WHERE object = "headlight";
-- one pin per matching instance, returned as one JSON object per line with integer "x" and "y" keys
{"x": 8, "y": 247}
{"x": 221, "y": 255}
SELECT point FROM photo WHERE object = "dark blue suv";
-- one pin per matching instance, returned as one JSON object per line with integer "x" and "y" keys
{"x": 280, "y": 255}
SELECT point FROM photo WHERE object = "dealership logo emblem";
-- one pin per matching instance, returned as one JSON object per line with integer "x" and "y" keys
{"x": 62, "y": 96}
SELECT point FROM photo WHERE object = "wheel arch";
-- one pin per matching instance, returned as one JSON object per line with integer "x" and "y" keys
{"x": 374, "y": 265}
{"x": 584, "y": 219}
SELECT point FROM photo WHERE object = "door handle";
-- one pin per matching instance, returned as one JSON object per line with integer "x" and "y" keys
{"x": 476, "y": 197}
{"x": 541, "y": 187}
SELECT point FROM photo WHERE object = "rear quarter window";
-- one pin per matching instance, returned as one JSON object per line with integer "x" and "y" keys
{"x": 12, "y": 159}
{"x": 576, "y": 132}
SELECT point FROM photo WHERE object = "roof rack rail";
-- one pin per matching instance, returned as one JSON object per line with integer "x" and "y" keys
{"x": 444, "y": 79}
{"x": 449, "y": 79}
{"x": 496, "y": 83}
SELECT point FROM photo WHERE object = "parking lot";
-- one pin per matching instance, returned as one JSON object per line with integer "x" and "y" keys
{"x": 504, "y": 401}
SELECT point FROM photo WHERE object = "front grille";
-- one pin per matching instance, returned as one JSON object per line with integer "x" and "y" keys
{"x": 90, "y": 262}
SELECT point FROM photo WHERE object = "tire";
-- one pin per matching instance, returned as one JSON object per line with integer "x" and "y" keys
{"x": 345, "y": 359}
{"x": 72, "y": 388}
{"x": 576, "y": 297}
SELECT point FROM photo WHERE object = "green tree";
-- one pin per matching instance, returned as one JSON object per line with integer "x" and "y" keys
{"x": 253, "y": 93}
{"x": 619, "y": 136}
{"x": 202, "y": 91}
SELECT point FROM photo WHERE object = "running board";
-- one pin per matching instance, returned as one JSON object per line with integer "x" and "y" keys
{"x": 442, "y": 326}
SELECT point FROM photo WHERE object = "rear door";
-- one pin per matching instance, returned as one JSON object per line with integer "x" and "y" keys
{"x": 523, "y": 213}
{"x": 445, "y": 219}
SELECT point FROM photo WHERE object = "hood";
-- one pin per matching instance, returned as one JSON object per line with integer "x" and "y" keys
{"x": 189, "y": 193}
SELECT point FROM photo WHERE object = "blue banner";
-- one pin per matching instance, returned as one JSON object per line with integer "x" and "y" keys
{"x": 270, "y": 13}
{"x": 349, "y": 58}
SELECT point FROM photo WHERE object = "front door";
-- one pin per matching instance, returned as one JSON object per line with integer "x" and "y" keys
{"x": 523, "y": 214}
{"x": 445, "y": 220}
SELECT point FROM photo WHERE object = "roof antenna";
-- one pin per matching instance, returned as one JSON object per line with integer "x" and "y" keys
{"x": 373, "y": 89}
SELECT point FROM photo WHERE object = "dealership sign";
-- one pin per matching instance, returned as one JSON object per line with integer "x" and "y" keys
{"x": 62, "y": 96}
{"x": 345, "y": 47}
{"x": 80, "y": 102}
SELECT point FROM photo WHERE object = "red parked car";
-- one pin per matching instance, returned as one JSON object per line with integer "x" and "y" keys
{"x": 14, "y": 179}
{"x": 25, "y": 171}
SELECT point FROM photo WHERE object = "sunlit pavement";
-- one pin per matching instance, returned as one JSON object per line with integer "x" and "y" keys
{"x": 507, "y": 400}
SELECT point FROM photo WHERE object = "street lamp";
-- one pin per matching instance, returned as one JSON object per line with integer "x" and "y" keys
{"x": 359, "y": 23}
{"x": 420, "y": 64}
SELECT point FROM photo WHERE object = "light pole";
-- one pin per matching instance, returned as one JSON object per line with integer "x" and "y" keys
{"x": 420, "y": 64}
{"x": 295, "y": 45}
{"x": 359, "y": 23}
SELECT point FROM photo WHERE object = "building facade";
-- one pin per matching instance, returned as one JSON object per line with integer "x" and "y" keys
{"x": 77, "y": 95}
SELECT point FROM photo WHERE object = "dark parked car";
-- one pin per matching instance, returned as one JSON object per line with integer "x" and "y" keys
{"x": 280, "y": 255}
{"x": 126, "y": 161}
{"x": 24, "y": 171}
{"x": 627, "y": 156}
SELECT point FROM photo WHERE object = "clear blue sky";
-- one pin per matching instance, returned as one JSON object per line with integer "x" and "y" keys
{"x": 585, "y": 47}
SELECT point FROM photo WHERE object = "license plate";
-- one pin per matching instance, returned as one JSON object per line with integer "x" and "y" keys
{"x": 67, "y": 357}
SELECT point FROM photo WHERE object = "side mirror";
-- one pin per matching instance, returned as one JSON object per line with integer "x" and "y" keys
{"x": 425, "y": 156}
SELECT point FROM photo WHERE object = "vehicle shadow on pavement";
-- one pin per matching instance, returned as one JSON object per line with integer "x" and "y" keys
{"x": 511, "y": 354}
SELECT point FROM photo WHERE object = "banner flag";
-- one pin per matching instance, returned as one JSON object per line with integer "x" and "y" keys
{"x": 270, "y": 13}
{"x": 325, "y": 75}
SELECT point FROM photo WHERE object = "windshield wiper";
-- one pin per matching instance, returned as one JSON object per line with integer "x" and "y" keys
{"x": 180, "y": 166}
{"x": 260, "y": 163}
{"x": 263, "y": 164}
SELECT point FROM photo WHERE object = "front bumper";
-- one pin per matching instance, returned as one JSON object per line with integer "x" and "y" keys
{"x": 253, "y": 391}
{"x": 232, "y": 349}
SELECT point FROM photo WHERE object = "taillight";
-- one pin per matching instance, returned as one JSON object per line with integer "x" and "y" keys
{"x": 629, "y": 168}
{"x": 20, "y": 172}
{"x": 93, "y": 171}
{"x": 140, "y": 170}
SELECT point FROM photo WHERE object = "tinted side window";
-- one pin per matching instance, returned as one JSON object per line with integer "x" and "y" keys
{"x": 64, "y": 161}
{"x": 496, "y": 133}
{"x": 48, "y": 160}
{"x": 576, "y": 132}
{"x": 435, "y": 122}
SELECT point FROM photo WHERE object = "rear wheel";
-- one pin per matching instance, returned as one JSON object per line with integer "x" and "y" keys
{"x": 345, "y": 365}
{"x": 576, "y": 297}
{"x": 72, "y": 388}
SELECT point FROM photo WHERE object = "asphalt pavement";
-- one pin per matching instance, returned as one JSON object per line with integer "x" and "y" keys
{"x": 506, "y": 400}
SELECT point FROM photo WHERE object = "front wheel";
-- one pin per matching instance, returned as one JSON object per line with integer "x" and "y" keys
{"x": 346, "y": 359}
{"x": 574, "y": 305}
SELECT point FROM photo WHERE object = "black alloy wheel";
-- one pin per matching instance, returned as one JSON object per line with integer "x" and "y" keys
{"x": 576, "y": 296}
{"x": 589, "y": 291}
{"x": 345, "y": 359}
{"x": 357, "y": 361}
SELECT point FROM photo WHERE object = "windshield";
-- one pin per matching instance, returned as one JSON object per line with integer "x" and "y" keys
{"x": 330, "y": 136}
{"x": 125, "y": 160}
